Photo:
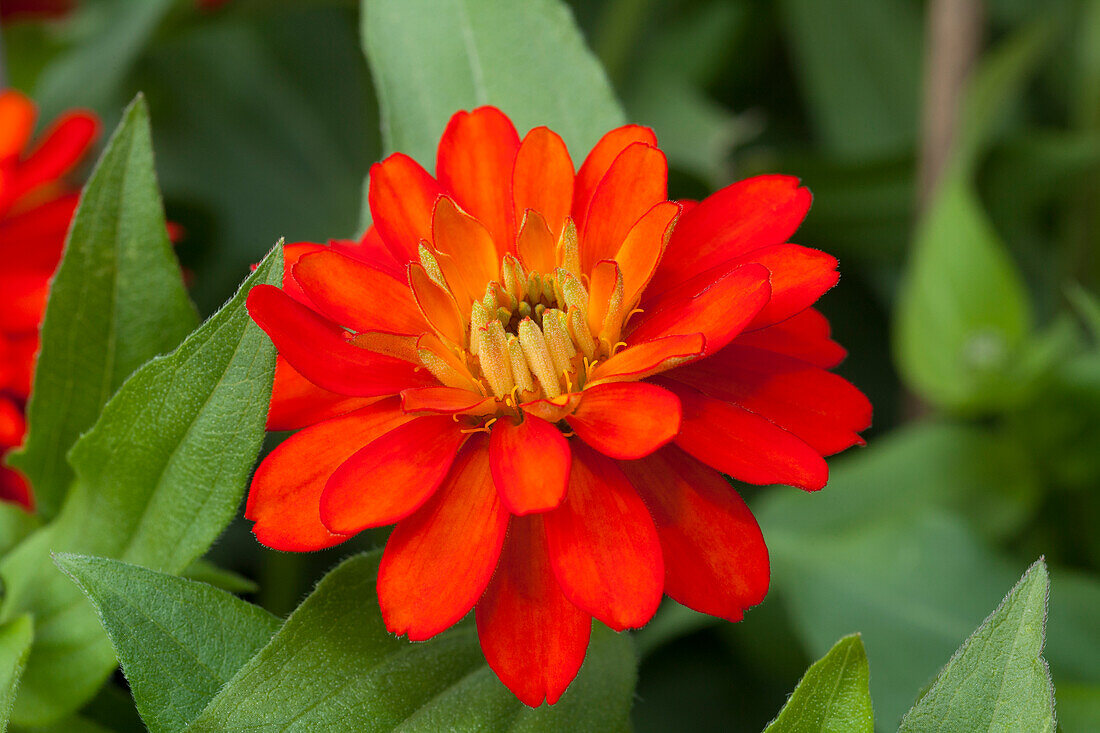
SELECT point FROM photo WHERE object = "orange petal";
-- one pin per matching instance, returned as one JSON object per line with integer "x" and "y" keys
{"x": 533, "y": 637}
{"x": 600, "y": 159}
{"x": 636, "y": 182}
{"x": 318, "y": 349}
{"x": 626, "y": 420}
{"x": 635, "y": 363}
{"x": 292, "y": 254}
{"x": 475, "y": 161}
{"x": 718, "y": 305}
{"x": 447, "y": 401}
{"x": 402, "y": 196}
{"x": 438, "y": 562}
{"x": 535, "y": 244}
{"x": 805, "y": 336}
{"x": 605, "y": 277}
{"x": 297, "y": 402}
{"x": 470, "y": 260}
{"x": 543, "y": 179}
{"x": 17, "y": 115}
{"x": 285, "y": 495}
{"x": 715, "y": 558}
{"x": 746, "y": 446}
{"x": 553, "y": 410}
{"x": 603, "y": 545}
{"x": 437, "y": 306}
{"x": 642, "y": 249}
{"x": 392, "y": 476}
{"x": 357, "y": 296}
{"x": 799, "y": 276}
{"x": 62, "y": 147}
{"x": 530, "y": 463}
{"x": 753, "y": 213}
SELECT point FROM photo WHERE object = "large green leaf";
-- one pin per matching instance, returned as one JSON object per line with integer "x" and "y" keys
{"x": 431, "y": 58}
{"x": 178, "y": 640}
{"x": 963, "y": 312}
{"x": 158, "y": 478}
{"x": 833, "y": 696}
{"x": 859, "y": 63}
{"x": 15, "y": 643}
{"x": 333, "y": 666}
{"x": 116, "y": 301}
{"x": 998, "y": 679}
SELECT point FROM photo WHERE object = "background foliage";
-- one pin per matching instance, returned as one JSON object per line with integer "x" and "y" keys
{"x": 968, "y": 308}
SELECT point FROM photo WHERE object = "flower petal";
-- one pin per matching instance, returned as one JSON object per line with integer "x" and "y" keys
{"x": 61, "y": 149}
{"x": 746, "y": 446}
{"x": 437, "y": 306}
{"x": 535, "y": 243}
{"x": 438, "y": 562}
{"x": 601, "y": 157}
{"x": 370, "y": 250}
{"x": 716, "y": 561}
{"x": 635, "y": 363}
{"x": 533, "y": 637}
{"x": 753, "y": 213}
{"x": 447, "y": 401}
{"x": 285, "y": 495}
{"x": 717, "y": 304}
{"x": 292, "y": 255}
{"x": 799, "y": 276}
{"x": 475, "y": 161}
{"x": 402, "y": 197}
{"x": 805, "y": 336}
{"x": 626, "y": 420}
{"x": 821, "y": 408}
{"x": 543, "y": 179}
{"x": 635, "y": 183}
{"x": 358, "y": 296}
{"x": 15, "y": 488}
{"x": 317, "y": 348}
{"x": 470, "y": 258}
{"x": 530, "y": 463}
{"x": 642, "y": 248}
{"x": 603, "y": 545}
{"x": 297, "y": 402}
{"x": 17, "y": 115}
{"x": 553, "y": 410}
{"x": 392, "y": 476}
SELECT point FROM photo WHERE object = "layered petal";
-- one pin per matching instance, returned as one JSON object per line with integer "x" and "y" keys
{"x": 318, "y": 349}
{"x": 747, "y": 215}
{"x": 636, "y": 182}
{"x": 447, "y": 401}
{"x": 530, "y": 463}
{"x": 62, "y": 147}
{"x": 285, "y": 495}
{"x": 358, "y": 296}
{"x": 475, "y": 161}
{"x": 635, "y": 363}
{"x": 543, "y": 179}
{"x": 297, "y": 402}
{"x": 402, "y": 197}
{"x": 438, "y": 562}
{"x": 603, "y": 545}
{"x": 643, "y": 246}
{"x": 799, "y": 276}
{"x": 805, "y": 336}
{"x": 718, "y": 304}
{"x": 821, "y": 408}
{"x": 534, "y": 639}
{"x": 600, "y": 158}
{"x": 746, "y": 446}
{"x": 389, "y": 478}
{"x": 470, "y": 259}
{"x": 626, "y": 420}
{"x": 716, "y": 561}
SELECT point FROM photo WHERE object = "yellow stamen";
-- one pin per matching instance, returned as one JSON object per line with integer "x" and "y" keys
{"x": 558, "y": 342}
{"x": 521, "y": 374}
{"x": 442, "y": 371}
{"x": 538, "y": 357}
{"x": 515, "y": 280}
{"x": 479, "y": 321}
{"x": 573, "y": 291}
{"x": 495, "y": 364}
{"x": 431, "y": 266}
{"x": 568, "y": 248}
{"x": 582, "y": 337}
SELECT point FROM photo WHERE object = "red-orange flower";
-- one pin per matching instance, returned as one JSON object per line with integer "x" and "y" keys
{"x": 35, "y": 209}
{"x": 540, "y": 376}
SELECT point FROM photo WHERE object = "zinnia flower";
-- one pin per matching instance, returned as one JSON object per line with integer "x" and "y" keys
{"x": 540, "y": 376}
{"x": 36, "y": 207}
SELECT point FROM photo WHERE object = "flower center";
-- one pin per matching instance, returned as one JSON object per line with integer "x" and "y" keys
{"x": 537, "y": 335}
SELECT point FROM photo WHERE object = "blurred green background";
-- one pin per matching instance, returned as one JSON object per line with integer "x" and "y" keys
{"x": 953, "y": 149}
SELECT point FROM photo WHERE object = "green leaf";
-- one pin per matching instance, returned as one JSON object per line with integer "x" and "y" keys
{"x": 333, "y": 665}
{"x": 178, "y": 640}
{"x": 15, "y": 643}
{"x": 859, "y": 63}
{"x": 205, "y": 571}
{"x": 15, "y": 524}
{"x": 832, "y": 696}
{"x": 431, "y": 58}
{"x": 963, "y": 312}
{"x": 998, "y": 679}
{"x": 116, "y": 301}
{"x": 158, "y": 478}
